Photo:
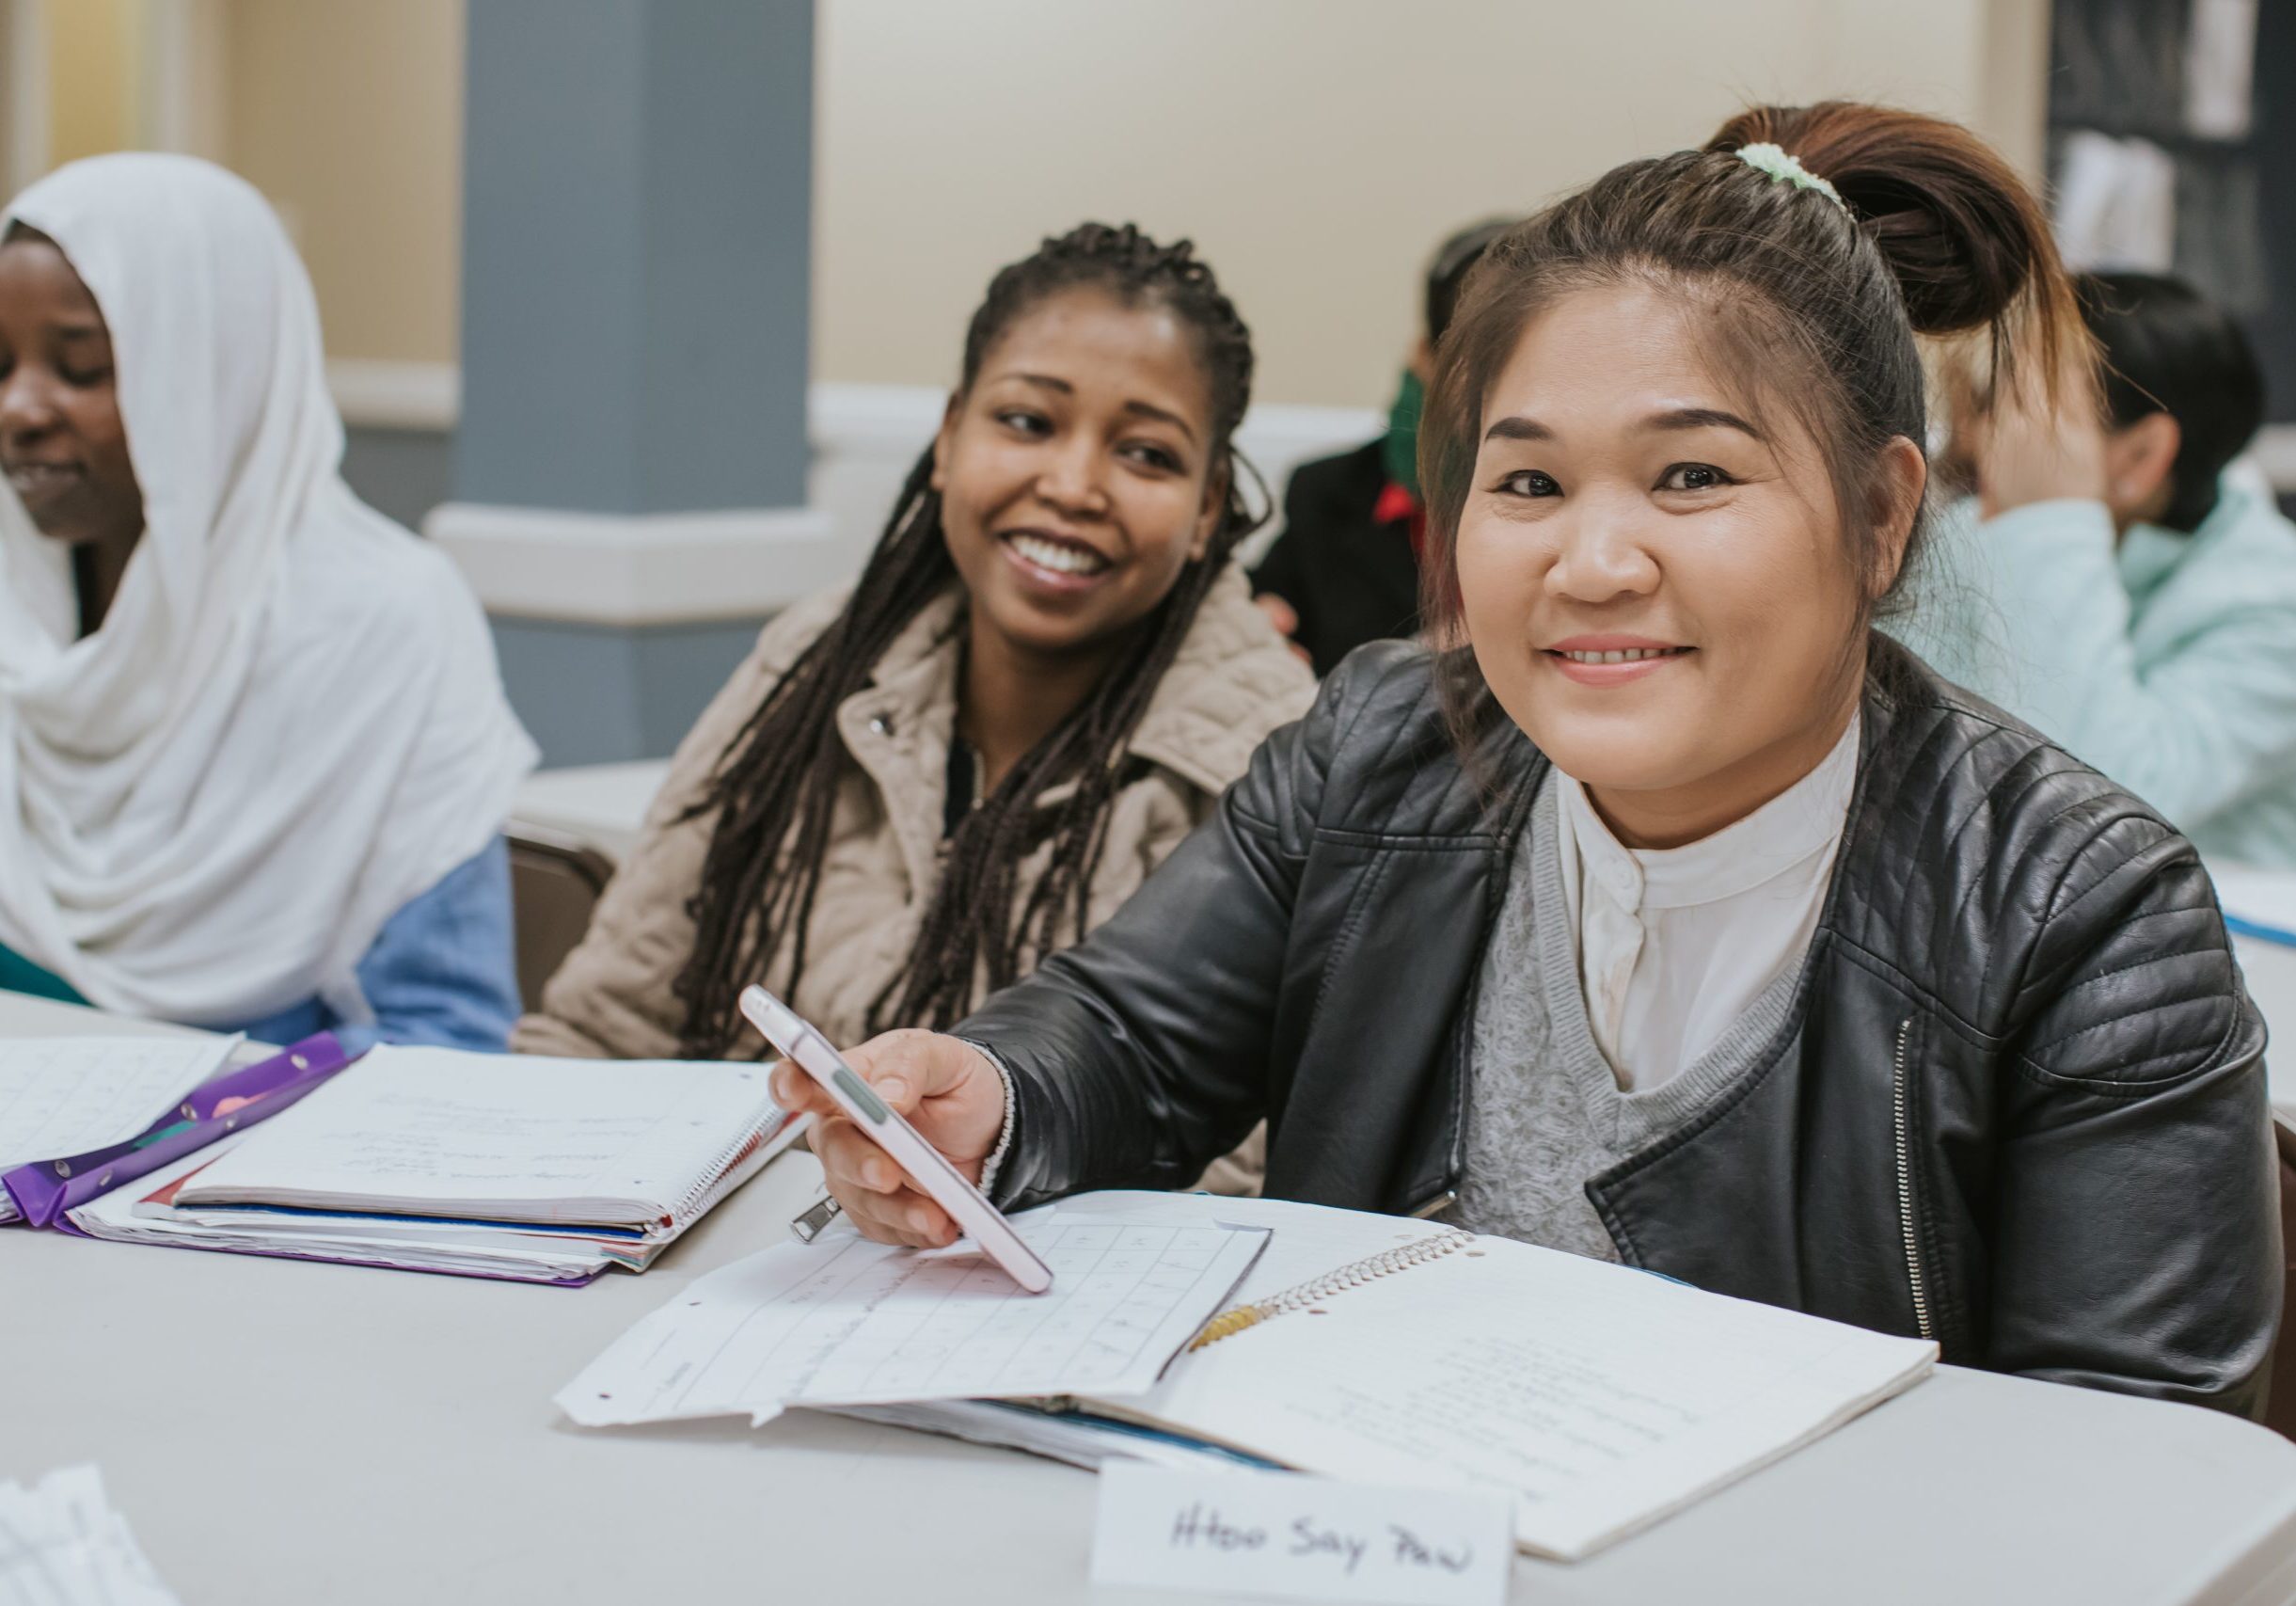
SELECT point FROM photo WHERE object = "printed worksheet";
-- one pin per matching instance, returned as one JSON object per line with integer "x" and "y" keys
{"x": 845, "y": 1321}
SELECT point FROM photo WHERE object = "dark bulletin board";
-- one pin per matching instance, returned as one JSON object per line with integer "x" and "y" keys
{"x": 2117, "y": 68}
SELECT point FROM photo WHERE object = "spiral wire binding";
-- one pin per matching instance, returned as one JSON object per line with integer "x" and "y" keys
{"x": 702, "y": 1196}
{"x": 1354, "y": 1274}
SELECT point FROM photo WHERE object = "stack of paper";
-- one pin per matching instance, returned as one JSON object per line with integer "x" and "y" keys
{"x": 61, "y": 1543}
{"x": 845, "y": 1321}
{"x": 66, "y": 1095}
{"x": 426, "y": 1159}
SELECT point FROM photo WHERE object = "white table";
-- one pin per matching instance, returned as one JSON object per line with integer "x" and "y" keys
{"x": 604, "y": 804}
{"x": 279, "y": 1432}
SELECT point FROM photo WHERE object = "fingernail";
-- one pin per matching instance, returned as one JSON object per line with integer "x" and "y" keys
{"x": 881, "y": 1175}
{"x": 893, "y": 1090}
{"x": 920, "y": 1220}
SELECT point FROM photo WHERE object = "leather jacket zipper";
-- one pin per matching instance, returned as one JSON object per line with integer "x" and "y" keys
{"x": 1905, "y": 1183}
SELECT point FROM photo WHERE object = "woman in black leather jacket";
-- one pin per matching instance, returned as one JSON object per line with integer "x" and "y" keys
{"x": 1977, "y": 1065}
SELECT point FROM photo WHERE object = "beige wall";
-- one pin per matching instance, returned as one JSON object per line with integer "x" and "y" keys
{"x": 1314, "y": 149}
{"x": 94, "y": 51}
{"x": 349, "y": 115}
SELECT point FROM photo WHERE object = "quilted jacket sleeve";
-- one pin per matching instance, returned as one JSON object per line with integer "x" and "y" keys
{"x": 2137, "y": 1238}
{"x": 1135, "y": 1063}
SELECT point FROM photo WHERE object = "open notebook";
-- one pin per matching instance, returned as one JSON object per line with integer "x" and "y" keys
{"x": 67, "y": 1095}
{"x": 490, "y": 1164}
{"x": 1372, "y": 1347}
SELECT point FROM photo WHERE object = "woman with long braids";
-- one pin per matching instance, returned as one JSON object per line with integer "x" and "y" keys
{"x": 1042, "y": 680}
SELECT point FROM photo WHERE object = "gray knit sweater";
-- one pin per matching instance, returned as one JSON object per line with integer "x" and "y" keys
{"x": 1546, "y": 1113}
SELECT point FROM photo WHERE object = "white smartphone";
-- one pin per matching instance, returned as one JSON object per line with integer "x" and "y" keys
{"x": 980, "y": 1220}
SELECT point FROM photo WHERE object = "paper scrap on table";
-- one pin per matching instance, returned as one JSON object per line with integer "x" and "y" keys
{"x": 61, "y": 1543}
{"x": 845, "y": 1321}
{"x": 1293, "y": 1537}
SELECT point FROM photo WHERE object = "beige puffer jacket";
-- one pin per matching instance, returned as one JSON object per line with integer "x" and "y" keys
{"x": 1233, "y": 681}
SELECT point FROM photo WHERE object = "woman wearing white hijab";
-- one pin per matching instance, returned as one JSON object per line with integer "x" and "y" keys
{"x": 254, "y": 751}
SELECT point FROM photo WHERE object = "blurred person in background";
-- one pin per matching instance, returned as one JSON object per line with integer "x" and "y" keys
{"x": 1346, "y": 568}
{"x": 918, "y": 788}
{"x": 2113, "y": 585}
{"x": 254, "y": 756}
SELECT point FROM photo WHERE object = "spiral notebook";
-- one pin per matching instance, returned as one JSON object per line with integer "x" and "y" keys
{"x": 488, "y": 1164}
{"x": 1600, "y": 1398}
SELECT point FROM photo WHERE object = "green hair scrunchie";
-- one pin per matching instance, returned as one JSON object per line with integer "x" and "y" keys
{"x": 1764, "y": 157}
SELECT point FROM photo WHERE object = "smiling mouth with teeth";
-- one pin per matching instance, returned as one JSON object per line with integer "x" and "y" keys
{"x": 1061, "y": 557}
{"x": 28, "y": 478}
{"x": 1626, "y": 655}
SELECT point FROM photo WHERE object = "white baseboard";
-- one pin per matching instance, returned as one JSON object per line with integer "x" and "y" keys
{"x": 531, "y": 562}
{"x": 895, "y": 421}
{"x": 372, "y": 394}
{"x": 670, "y": 569}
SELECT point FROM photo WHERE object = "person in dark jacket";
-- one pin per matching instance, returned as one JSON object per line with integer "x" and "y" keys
{"x": 1346, "y": 568}
{"x": 1666, "y": 913}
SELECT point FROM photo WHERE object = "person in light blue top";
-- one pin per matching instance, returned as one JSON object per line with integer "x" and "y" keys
{"x": 2118, "y": 584}
{"x": 255, "y": 756}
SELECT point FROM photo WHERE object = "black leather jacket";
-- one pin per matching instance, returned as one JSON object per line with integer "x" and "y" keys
{"x": 2019, "y": 1104}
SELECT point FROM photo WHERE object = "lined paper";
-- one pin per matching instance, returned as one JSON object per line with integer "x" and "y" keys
{"x": 66, "y": 1095}
{"x": 847, "y": 1320}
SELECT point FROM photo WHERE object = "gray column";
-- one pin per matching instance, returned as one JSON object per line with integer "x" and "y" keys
{"x": 631, "y": 458}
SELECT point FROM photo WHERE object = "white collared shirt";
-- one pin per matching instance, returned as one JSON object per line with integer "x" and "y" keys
{"x": 1674, "y": 944}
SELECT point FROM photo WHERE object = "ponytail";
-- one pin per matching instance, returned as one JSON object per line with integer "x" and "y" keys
{"x": 1965, "y": 238}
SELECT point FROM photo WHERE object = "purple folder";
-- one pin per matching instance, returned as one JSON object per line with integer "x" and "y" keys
{"x": 46, "y": 1189}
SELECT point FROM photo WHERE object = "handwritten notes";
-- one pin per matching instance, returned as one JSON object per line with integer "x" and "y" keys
{"x": 61, "y": 1543}
{"x": 1300, "y": 1539}
{"x": 845, "y": 1321}
{"x": 434, "y": 1131}
{"x": 67, "y": 1095}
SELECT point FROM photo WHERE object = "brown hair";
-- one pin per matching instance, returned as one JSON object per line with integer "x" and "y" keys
{"x": 1814, "y": 304}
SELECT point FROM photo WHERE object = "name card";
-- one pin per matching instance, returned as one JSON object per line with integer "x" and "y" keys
{"x": 1294, "y": 1537}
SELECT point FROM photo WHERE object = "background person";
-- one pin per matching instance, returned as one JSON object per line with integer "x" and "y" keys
{"x": 254, "y": 756}
{"x": 1346, "y": 568}
{"x": 915, "y": 789}
{"x": 2112, "y": 584}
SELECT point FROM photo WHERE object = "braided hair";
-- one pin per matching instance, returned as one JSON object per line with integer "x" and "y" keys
{"x": 775, "y": 788}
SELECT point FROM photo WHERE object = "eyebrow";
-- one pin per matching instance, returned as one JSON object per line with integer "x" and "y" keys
{"x": 1701, "y": 418}
{"x": 1515, "y": 428}
{"x": 77, "y": 331}
{"x": 1143, "y": 409}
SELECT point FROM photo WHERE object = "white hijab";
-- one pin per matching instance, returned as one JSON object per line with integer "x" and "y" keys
{"x": 290, "y": 722}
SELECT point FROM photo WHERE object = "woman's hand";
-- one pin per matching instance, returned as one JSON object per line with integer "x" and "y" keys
{"x": 2028, "y": 449}
{"x": 947, "y": 1090}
